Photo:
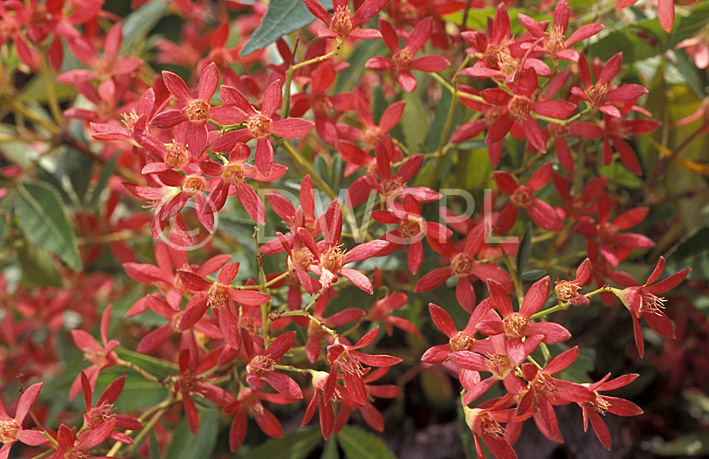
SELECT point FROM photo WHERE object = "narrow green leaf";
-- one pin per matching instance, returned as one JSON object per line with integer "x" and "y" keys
{"x": 138, "y": 24}
{"x": 533, "y": 275}
{"x": 692, "y": 252}
{"x": 359, "y": 444}
{"x": 282, "y": 17}
{"x": 525, "y": 249}
{"x": 3, "y": 229}
{"x": 294, "y": 445}
{"x": 43, "y": 219}
{"x": 199, "y": 446}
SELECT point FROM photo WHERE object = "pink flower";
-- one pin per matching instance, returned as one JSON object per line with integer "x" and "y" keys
{"x": 568, "y": 290}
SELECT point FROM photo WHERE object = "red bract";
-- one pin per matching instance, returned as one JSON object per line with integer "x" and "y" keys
{"x": 600, "y": 404}
{"x": 643, "y": 301}
{"x": 249, "y": 401}
{"x": 403, "y": 61}
{"x": 371, "y": 415}
{"x": 11, "y": 427}
{"x": 541, "y": 213}
{"x": 343, "y": 23}
{"x": 463, "y": 266}
{"x": 259, "y": 125}
{"x": 73, "y": 446}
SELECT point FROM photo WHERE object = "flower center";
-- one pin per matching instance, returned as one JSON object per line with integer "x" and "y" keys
{"x": 176, "y": 155}
{"x": 99, "y": 414}
{"x": 403, "y": 59}
{"x": 651, "y": 304}
{"x": 607, "y": 231}
{"x": 462, "y": 265}
{"x": 522, "y": 196}
{"x": 565, "y": 290}
{"x": 219, "y": 295}
{"x": 259, "y": 126}
{"x": 598, "y": 404}
{"x": 555, "y": 42}
{"x": 462, "y": 342}
{"x": 499, "y": 365}
{"x": 515, "y": 325}
{"x": 234, "y": 173}
{"x": 333, "y": 259}
{"x": 544, "y": 384}
{"x": 260, "y": 364}
{"x": 193, "y": 185}
{"x": 411, "y": 227}
{"x": 197, "y": 111}
{"x": 130, "y": 119}
{"x": 341, "y": 21}
{"x": 8, "y": 430}
{"x": 519, "y": 106}
{"x": 597, "y": 93}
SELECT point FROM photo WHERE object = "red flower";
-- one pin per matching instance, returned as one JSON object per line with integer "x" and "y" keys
{"x": 462, "y": 265}
{"x": 602, "y": 94}
{"x": 552, "y": 42}
{"x": 517, "y": 325}
{"x": 103, "y": 411}
{"x": 11, "y": 428}
{"x": 402, "y": 60}
{"x": 517, "y": 108}
{"x": 101, "y": 356}
{"x": 216, "y": 294}
{"x": 348, "y": 359}
{"x": 643, "y": 301}
{"x": 343, "y": 23}
{"x": 458, "y": 340}
{"x": 608, "y": 232}
{"x": 545, "y": 391}
{"x": 233, "y": 177}
{"x": 600, "y": 404}
{"x": 329, "y": 257}
{"x": 542, "y": 214}
{"x": 568, "y": 290}
{"x": 73, "y": 446}
{"x": 323, "y": 395}
{"x": 249, "y": 401}
{"x": 261, "y": 363}
{"x": 196, "y": 111}
{"x": 259, "y": 125}
{"x": 369, "y": 413}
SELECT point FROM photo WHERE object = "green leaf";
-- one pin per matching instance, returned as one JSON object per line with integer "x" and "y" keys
{"x": 533, "y": 275}
{"x": 330, "y": 450}
{"x": 139, "y": 23}
{"x": 185, "y": 445}
{"x": 415, "y": 120}
{"x": 294, "y": 445}
{"x": 37, "y": 266}
{"x": 156, "y": 367}
{"x": 525, "y": 249}
{"x": 43, "y": 219}
{"x": 618, "y": 174}
{"x": 633, "y": 47}
{"x": 692, "y": 444}
{"x": 282, "y": 17}
{"x": 106, "y": 174}
{"x": 692, "y": 252}
{"x": 579, "y": 369}
{"x": 359, "y": 444}
{"x": 3, "y": 229}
